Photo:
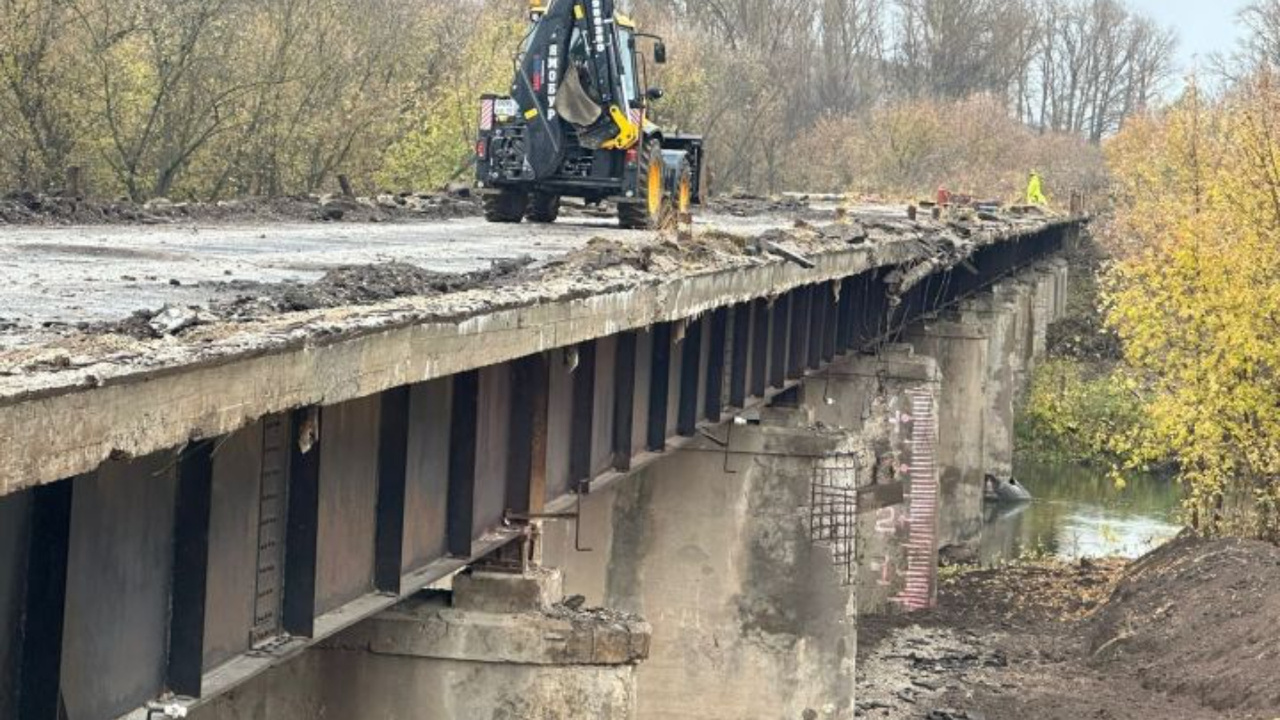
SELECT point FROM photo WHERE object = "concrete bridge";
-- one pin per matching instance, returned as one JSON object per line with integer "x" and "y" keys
{"x": 661, "y": 486}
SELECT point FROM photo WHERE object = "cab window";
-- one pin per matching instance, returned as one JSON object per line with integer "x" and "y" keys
{"x": 630, "y": 79}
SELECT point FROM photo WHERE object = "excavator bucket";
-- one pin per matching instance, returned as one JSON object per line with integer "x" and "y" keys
{"x": 574, "y": 104}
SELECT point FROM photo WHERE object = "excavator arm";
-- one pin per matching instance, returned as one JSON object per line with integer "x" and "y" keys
{"x": 574, "y": 126}
{"x": 570, "y": 71}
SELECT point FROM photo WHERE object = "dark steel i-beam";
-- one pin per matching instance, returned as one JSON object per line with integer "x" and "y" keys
{"x": 740, "y": 356}
{"x": 830, "y": 322}
{"x": 715, "y": 365}
{"x": 624, "y": 393}
{"x": 463, "y": 434}
{"x": 299, "y": 607}
{"x": 531, "y": 388}
{"x": 798, "y": 338}
{"x": 779, "y": 337}
{"x": 844, "y": 321}
{"x": 584, "y": 410}
{"x": 393, "y": 461}
{"x": 818, "y": 300}
{"x": 759, "y": 347}
{"x": 659, "y": 388}
{"x": 40, "y": 687}
{"x": 190, "y": 570}
{"x": 690, "y": 367}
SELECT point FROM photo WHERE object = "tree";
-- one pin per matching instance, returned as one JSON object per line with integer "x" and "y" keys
{"x": 1195, "y": 297}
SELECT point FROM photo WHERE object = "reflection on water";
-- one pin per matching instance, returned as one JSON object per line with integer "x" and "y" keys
{"x": 1078, "y": 512}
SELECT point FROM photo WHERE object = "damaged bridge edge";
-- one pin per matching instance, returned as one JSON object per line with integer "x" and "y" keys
{"x": 69, "y": 429}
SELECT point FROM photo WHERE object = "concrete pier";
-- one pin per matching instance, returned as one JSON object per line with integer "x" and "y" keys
{"x": 997, "y": 311}
{"x": 961, "y": 348}
{"x": 753, "y": 605}
{"x": 502, "y": 646}
{"x": 890, "y": 401}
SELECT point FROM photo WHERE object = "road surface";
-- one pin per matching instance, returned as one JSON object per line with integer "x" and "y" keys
{"x": 75, "y": 275}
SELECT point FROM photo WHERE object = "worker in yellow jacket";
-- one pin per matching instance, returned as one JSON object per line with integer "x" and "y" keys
{"x": 1035, "y": 190}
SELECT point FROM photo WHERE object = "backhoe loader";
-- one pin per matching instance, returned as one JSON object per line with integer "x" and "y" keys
{"x": 576, "y": 124}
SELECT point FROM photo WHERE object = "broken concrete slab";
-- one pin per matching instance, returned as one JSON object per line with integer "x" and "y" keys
{"x": 69, "y": 402}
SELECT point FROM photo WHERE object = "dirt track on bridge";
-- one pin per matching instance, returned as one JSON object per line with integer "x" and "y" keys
{"x": 1187, "y": 633}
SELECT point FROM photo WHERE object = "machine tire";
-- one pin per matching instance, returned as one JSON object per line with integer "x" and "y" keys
{"x": 543, "y": 208}
{"x": 684, "y": 199}
{"x": 507, "y": 206}
{"x": 647, "y": 212}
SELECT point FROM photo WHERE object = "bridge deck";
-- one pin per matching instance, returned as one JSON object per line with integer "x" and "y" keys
{"x": 127, "y": 395}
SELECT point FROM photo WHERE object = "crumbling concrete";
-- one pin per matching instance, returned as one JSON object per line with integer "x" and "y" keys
{"x": 754, "y": 616}
{"x": 961, "y": 348}
{"x": 503, "y": 649}
{"x": 880, "y": 398}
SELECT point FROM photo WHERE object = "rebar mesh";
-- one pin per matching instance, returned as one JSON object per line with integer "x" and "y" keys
{"x": 833, "y": 512}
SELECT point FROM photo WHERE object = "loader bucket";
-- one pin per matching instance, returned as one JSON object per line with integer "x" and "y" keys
{"x": 574, "y": 104}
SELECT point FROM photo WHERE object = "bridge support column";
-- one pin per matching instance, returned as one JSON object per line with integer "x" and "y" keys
{"x": 890, "y": 401}
{"x": 997, "y": 310}
{"x": 961, "y": 348}
{"x": 1062, "y": 282}
{"x": 504, "y": 647}
{"x": 1020, "y": 291}
{"x": 739, "y": 548}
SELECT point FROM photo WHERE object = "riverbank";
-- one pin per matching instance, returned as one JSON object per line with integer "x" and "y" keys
{"x": 1187, "y": 632}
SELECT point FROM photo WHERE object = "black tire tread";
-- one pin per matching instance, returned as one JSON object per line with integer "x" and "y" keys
{"x": 635, "y": 215}
{"x": 507, "y": 206}
{"x": 543, "y": 208}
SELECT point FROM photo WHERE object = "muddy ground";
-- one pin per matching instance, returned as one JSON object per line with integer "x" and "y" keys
{"x": 1188, "y": 633}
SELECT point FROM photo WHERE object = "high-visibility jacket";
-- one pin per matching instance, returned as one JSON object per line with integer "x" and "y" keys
{"x": 1035, "y": 192}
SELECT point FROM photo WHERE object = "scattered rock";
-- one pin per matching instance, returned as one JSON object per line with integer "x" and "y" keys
{"x": 173, "y": 320}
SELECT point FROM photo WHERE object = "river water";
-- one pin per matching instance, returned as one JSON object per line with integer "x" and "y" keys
{"x": 1078, "y": 512}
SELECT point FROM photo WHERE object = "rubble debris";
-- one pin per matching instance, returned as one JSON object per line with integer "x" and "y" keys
{"x": 173, "y": 320}
{"x": 748, "y": 205}
{"x": 252, "y": 317}
{"x": 26, "y": 208}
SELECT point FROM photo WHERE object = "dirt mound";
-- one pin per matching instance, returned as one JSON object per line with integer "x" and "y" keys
{"x": 1198, "y": 618}
{"x": 344, "y": 286}
{"x": 25, "y": 208}
{"x": 745, "y": 205}
{"x": 365, "y": 284}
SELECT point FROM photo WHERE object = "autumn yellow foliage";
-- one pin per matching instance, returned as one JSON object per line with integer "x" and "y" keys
{"x": 1195, "y": 294}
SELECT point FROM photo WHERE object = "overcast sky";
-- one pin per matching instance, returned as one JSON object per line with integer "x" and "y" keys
{"x": 1204, "y": 26}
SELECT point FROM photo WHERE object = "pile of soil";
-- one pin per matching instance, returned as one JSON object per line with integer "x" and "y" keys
{"x": 368, "y": 284}
{"x": 340, "y": 287}
{"x": 1199, "y": 619}
{"x": 747, "y": 205}
{"x": 1186, "y": 633}
{"x": 26, "y": 208}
